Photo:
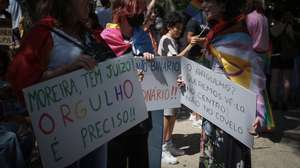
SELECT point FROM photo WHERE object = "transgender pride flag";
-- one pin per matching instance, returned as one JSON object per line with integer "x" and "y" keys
{"x": 245, "y": 67}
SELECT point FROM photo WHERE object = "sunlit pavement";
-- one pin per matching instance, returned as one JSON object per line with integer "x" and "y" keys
{"x": 280, "y": 149}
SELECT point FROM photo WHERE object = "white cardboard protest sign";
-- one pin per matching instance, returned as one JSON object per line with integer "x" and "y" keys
{"x": 159, "y": 83}
{"x": 76, "y": 113}
{"x": 219, "y": 100}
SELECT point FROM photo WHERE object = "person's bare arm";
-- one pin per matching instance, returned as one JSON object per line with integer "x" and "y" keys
{"x": 185, "y": 51}
{"x": 194, "y": 40}
{"x": 150, "y": 6}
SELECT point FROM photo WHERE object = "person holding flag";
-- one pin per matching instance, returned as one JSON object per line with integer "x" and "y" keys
{"x": 229, "y": 47}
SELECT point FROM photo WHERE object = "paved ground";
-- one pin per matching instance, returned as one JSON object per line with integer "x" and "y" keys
{"x": 280, "y": 149}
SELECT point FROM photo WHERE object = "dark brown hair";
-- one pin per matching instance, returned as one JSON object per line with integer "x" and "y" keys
{"x": 127, "y": 8}
{"x": 171, "y": 20}
{"x": 62, "y": 10}
{"x": 42, "y": 8}
{"x": 232, "y": 8}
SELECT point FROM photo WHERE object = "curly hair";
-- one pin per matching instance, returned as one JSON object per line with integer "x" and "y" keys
{"x": 171, "y": 20}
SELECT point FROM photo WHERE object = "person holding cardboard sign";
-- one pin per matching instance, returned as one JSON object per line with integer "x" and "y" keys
{"x": 58, "y": 44}
{"x": 230, "y": 49}
{"x": 168, "y": 47}
{"x": 125, "y": 35}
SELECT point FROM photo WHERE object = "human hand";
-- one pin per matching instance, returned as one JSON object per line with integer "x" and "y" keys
{"x": 141, "y": 75}
{"x": 180, "y": 81}
{"x": 256, "y": 126}
{"x": 148, "y": 56}
{"x": 196, "y": 40}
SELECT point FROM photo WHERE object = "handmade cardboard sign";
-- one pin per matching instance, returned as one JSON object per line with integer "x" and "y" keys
{"x": 224, "y": 103}
{"x": 76, "y": 113}
{"x": 159, "y": 83}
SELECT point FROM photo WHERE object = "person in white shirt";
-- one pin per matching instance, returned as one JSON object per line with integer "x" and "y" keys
{"x": 168, "y": 47}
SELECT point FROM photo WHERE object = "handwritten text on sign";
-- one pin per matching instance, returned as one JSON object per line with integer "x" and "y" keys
{"x": 225, "y": 104}
{"x": 76, "y": 113}
{"x": 159, "y": 84}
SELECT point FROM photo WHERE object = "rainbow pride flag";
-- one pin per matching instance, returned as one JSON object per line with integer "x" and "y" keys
{"x": 269, "y": 118}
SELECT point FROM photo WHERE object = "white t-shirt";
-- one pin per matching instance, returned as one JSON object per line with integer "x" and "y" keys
{"x": 167, "y": 46}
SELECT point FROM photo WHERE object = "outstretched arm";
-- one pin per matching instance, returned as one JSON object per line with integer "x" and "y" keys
{"x": 150, "y": 6}
{"x": 194, "y": 40}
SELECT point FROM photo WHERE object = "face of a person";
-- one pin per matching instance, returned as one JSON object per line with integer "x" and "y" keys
{"x": 176, "y": 30}
{"x": 213, "y": 10}
{"x": 81, "y": 10}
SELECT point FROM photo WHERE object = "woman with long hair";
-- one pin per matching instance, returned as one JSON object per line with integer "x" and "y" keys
{"x": 56, "y": 45}
{"x": 126, "y": 35}
{"x": 229, "y": 47}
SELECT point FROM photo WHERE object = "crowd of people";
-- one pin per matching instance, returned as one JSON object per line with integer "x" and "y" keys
{"x": 234, "y": 38}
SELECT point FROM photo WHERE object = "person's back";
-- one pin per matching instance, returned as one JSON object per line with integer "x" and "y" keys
{"x": 257, "y": 25}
